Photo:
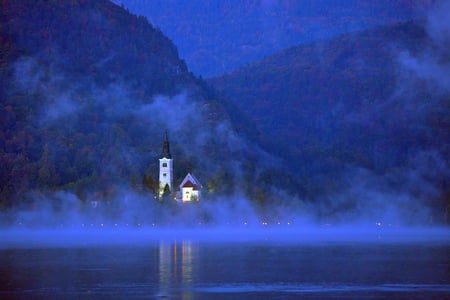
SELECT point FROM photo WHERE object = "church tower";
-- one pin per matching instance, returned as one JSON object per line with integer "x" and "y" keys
{"x": 165, "y": 169}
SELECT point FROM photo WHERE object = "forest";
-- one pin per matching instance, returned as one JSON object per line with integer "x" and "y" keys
{"x": 88, "y": 90}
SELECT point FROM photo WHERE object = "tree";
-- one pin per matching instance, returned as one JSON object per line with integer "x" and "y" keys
{"x": 166, "y": 195}
{"x": 46, "y": 168}
{"x": 150, "y": 183}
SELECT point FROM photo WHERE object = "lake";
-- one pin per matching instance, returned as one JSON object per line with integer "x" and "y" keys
{"x": 222, "y": 265}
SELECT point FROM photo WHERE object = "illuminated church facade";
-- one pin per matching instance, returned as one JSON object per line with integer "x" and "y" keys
{"x": 189, "y": 189}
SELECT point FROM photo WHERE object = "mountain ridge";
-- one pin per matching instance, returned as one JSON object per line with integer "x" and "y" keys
{"x": 366, "y": 100}
{"x": 251, "y": 29}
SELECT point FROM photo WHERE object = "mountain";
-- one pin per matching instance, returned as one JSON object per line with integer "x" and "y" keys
{"x": 216, "y": 37}
{"x": 366, "y": 112}
{"x": 350, "y": 126}
{"x": 88, "y": 91}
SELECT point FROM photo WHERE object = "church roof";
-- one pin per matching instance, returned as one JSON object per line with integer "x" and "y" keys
{"x": 188, "y": 183}
{"x": 166, "y": 148}
{"x": 191, "y": 181}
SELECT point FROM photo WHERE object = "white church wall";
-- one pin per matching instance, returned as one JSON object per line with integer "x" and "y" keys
{"x": 165, "y": 175}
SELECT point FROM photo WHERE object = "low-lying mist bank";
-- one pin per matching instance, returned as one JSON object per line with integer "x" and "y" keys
{"x": 131, "y": 219}
{"x": 128, "y": 209}
{"x": 14, "y": 238}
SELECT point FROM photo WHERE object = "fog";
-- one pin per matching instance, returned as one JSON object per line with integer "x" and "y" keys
{"x": 135, "y": 220}
{"x": 432, "y": 64}
{"x": 369, "y": 207}
{"x": 106, "y": 236}
{"x": 404, "y": 192}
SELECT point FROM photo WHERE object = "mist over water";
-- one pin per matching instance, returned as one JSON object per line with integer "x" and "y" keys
{"x": 139, "y": 221}
{"x": 62, "y": 220}
{"x": 127, "y": 208}
{"x": 369, "y": 206}
{"x": 17, "y": 238}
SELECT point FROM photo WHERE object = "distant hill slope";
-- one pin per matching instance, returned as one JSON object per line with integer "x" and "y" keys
{"x": 216, "y": 37}
{"x": 375, "y": 99}
{"x": 87, "y": 92}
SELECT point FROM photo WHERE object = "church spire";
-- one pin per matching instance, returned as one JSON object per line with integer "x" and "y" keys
{"x": 165, "y": 170}
{"x": 166, "y": 147}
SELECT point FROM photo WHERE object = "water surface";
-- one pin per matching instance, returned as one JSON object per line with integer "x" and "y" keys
{"x": 173, "y": 267}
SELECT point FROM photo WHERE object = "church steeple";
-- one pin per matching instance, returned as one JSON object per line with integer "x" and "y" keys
{"x": 165, "y": 169}
{"x": 166, "y": 147}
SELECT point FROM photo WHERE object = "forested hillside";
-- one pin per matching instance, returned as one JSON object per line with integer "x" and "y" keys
{"x": 87, "y": 92}
{"x": 374, "y": 101}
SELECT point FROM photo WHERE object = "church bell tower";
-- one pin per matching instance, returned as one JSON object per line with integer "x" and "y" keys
{"x": 165, "y": 170}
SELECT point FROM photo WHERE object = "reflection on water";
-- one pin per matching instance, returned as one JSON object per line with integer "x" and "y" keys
{"x": 186, "y": 269}
{"x": 176, "y": 265}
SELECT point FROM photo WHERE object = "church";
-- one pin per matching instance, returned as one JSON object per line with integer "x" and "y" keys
{"x": 189, "y": 189}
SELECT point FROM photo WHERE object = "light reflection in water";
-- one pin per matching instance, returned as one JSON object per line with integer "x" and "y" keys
{"x": 186, "y": 262}
{"x": 176, "y": 267}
